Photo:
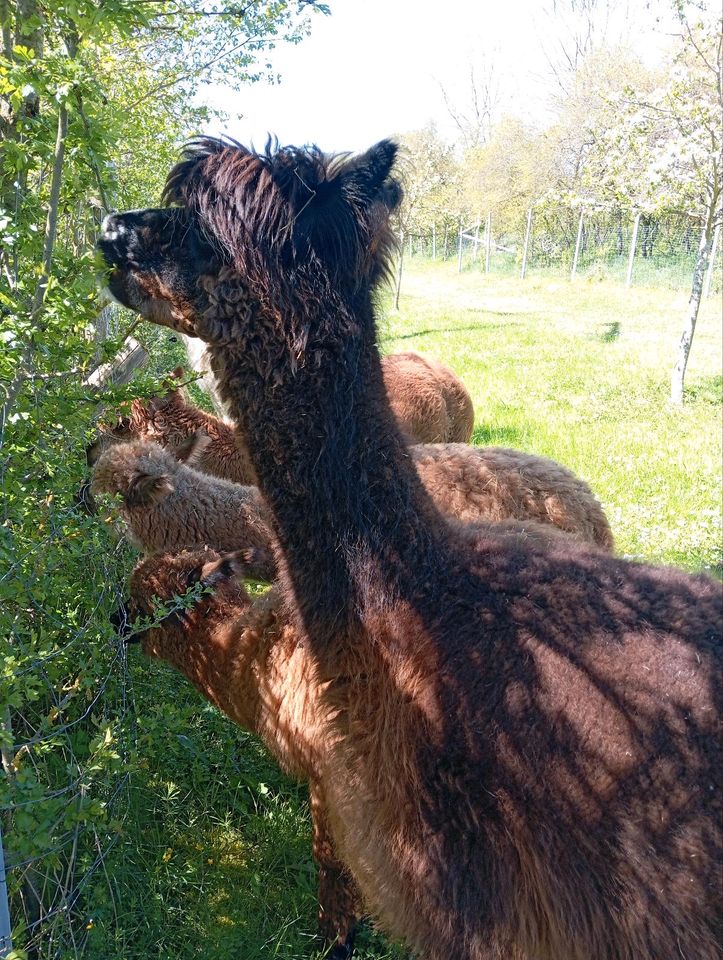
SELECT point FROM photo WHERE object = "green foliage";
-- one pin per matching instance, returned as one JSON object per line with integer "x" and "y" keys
{"x": 94, "y": 100}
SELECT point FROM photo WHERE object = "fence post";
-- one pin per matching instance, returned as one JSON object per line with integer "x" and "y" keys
{"x": 633, "y": 244}
{"x": 488, "y": 241}
{"x": 434, "y": 241}
{"x": 476, "y": 239}
{"x": 527, "y": 243}
{"x": 577, "y": 248}
{"x": 711, "y": 265}
{"x": 459, "y": 247}
{"x": 6, "y": 943}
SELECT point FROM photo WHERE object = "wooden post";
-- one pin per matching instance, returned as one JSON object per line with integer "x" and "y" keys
{"x": 459, "y": 247}
{"x": 577, "y": 248}
{"x": 711, "y": 265}
{"x": 633, "y": 244}
{"x": 434, "y": 241}
{"x": 528, "y": 231}
{"x": 446, "y": 240}
{"x": 488, "y": 241}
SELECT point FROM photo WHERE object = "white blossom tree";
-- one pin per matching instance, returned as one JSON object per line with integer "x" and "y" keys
{"x": 662, "y": 151}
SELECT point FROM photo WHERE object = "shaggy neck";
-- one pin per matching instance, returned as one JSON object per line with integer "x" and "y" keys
{"x": 331, "y": 464}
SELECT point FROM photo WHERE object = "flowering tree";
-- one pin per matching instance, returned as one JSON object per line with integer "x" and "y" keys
{"x": 662, "y": 151}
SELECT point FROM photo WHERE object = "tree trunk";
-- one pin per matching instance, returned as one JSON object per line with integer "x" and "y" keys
{"x": 696, "y": 294}
{"x": 399, "y": 271}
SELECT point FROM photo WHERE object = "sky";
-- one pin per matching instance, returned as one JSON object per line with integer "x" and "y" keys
{"x": 375, "y": 68}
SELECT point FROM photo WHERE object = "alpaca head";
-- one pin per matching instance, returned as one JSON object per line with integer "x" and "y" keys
{"x": 178, "y": 592}
{"x": 143, "y": 472}
{"x": 149, "y": 419}
{"x": 252, "y": 231}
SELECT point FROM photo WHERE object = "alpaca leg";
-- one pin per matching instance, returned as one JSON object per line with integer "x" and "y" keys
{"x": 338, "y": 895}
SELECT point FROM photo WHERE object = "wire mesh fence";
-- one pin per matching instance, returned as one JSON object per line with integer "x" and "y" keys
{"x": 66, "y": 730}
{"x": 559, "y": 240}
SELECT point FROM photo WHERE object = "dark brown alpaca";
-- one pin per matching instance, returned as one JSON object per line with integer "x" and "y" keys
{"x": 523, "y": 756}
{"x": 430, "y": 405}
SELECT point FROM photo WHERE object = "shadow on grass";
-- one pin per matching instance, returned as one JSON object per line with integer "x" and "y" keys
{"x": 489, "y": 435}
{"x": 706, "y": 389}
{"x": 466, "y": 329}
{"x": 611, "y": 332}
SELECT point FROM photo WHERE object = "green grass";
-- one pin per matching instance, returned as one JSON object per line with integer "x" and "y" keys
{"x": 580, "y": 372}
{"x": 214, "y": 856}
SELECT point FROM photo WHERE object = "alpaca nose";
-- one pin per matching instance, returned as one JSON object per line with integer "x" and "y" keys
{"x": 116, "y": 239}
{"x": 120, "y": 621}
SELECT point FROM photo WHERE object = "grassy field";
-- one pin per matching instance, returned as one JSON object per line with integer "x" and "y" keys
{"x": 214, "y": 855}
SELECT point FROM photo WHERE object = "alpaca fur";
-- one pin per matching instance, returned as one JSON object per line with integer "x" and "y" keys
{"x": 171, "y": 421}
{"x": 168, "y": 505}
{"x": 522, "y": 755}
{"x": 493, "y": 483}
{"x": 429, "y": 402}
{"x": 469, "y": 483}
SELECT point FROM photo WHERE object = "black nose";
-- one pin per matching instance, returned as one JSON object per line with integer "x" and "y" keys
{"x": 121, "y": 622}
{"x": 117, "y": 239}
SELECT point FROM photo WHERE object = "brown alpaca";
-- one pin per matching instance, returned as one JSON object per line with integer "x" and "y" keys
{"x": 469, "y": 483}
{"x": 171, "y": 421}
{"x": 168, "y": 505}
{"x": 248, "y": 659}
{"x": 493, "y": 483}
{"x": 524, "y": 751}
{"x": 429, "y": 402}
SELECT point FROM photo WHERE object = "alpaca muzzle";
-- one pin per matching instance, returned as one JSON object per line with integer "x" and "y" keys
{"x": 121, "y": 622}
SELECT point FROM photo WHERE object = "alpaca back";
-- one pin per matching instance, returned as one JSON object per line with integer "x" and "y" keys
{"x": 493, "y": 483}
{"x": 429, "y": 402}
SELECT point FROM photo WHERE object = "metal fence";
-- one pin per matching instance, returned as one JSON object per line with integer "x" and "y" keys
{"x": 557, "y": 240}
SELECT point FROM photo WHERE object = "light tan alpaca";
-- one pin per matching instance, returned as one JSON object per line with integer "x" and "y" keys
{"x": 168, "y": 505}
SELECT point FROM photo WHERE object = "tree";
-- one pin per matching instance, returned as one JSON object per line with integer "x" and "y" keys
{"x": 662, "y": 150}
{"x": 475, "y": 110}
{"x": 430, "y": 187}
{"x": 95, "y": 98}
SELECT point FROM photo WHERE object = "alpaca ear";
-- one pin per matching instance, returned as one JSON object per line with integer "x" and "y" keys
{"x": 145, "y": 489}
{"x": 192, "y": 449}
{"x": 368, "y": 176}
{"x": 229, "y": 567}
